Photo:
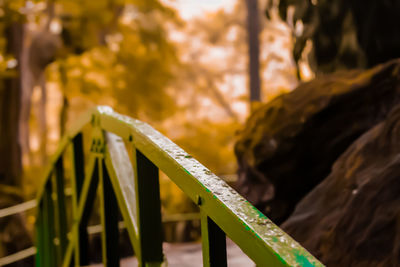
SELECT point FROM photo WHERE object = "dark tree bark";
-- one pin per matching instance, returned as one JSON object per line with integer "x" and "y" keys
{"x": 26, "y": 95}
{"x": 42, "y": 120}
{"x": 254, "y": 50}
{"x": 10, "y": 150}
{"x": 346, "y": 34}
{"x": 14, "y": 236}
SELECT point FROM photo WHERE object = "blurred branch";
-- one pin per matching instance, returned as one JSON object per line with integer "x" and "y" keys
{"x": 50, "y": 14}
{"x": 117, "y": 12}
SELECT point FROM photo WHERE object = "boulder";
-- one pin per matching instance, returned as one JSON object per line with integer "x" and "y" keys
{"x": 289, "y": 144}
{"x": 352, "y": 218}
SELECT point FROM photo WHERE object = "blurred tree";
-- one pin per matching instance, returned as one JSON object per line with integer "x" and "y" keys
{"x": 42, "y": 46}
{"x": 124, "y": 56}
{"x": 129, "y": 35}
{"x": 344, "y": 34}
{"x": 218, "y": 44}
{"x": 11, "y": 90}
{"x": 254, "y": 50}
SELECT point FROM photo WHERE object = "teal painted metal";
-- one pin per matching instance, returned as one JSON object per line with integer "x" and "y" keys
{"x": 134, "y": 185}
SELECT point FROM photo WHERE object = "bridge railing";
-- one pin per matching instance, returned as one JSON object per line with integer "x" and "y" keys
{"x": 127, "y": 180}
{"x": 27, "y": 252}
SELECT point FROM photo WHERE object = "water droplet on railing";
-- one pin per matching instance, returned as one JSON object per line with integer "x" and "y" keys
{"x": 261, "y": 221}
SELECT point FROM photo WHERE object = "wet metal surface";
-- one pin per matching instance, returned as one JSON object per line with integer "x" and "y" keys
{"x": 259, "y": 238}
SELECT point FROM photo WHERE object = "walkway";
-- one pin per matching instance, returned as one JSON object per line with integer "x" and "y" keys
{"x": 189, "y": 255}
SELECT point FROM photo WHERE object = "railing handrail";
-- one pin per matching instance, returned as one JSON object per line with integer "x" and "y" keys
{"x": 259, "y": 238}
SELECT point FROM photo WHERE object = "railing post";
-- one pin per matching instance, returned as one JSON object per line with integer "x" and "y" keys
{"x": 83, "y": 212}
{"x": 213, "y": 243}
{"x": 149, "y": 211}
{"x": 39, "y": 235}
{"x": 81, "y": 251}
{"x": 109, "y": 218}
{"x": 49, "y": 255}
{"x": 60, "y": 210}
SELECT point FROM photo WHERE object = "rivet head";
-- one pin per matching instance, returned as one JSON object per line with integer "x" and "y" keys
{"x": 199, "y": 200}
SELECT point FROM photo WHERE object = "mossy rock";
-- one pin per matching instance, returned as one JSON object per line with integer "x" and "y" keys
{"x": 288, "y": 145}
{"x": 352, "y": 217}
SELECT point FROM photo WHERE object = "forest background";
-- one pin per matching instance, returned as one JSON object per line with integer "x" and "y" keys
{"x": 187, "y": 75}
{"x": 193, "y": 73}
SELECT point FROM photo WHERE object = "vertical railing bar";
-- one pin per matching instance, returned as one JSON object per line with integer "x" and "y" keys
{"x": 60, "y": 210}
{"x": 130, "y": 223}
{"x": 109, "y": 218}
{"x": 134, "y": 163}
{"x": 149, "y": 211}
{"x": 80, "y": 235}
{"x": 119, "y": 167}
{"x": 45, "y": 232}
{"x": 68, "y": 260}
{"x": 74, "y": 238}
{"x": 85, "y": 205}
{"x": 39, "y": 235}
{"x": 102, "y": 215}
{"x": 213, "y": 243}
{"x": 78, "y": 162}
{"x": 46, "y": 237}
{"x": 57, "y": 246}
{"x": 48, "y": 208}
{"x": 88, "y": 194}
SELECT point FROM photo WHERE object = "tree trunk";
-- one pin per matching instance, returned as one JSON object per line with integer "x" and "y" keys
{"x": 10, "y": 150}
{"x": 14, "y": 236}
{"x": 42, "y": 120}
{"x": 254, "y": 50}
{"x": 26, "y": 95}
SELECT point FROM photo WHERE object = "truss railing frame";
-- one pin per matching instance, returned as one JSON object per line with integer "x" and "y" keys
{"x": 135, "y": 191}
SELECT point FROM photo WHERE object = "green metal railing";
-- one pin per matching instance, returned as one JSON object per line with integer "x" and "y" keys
{"x": 129, "y": 182}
